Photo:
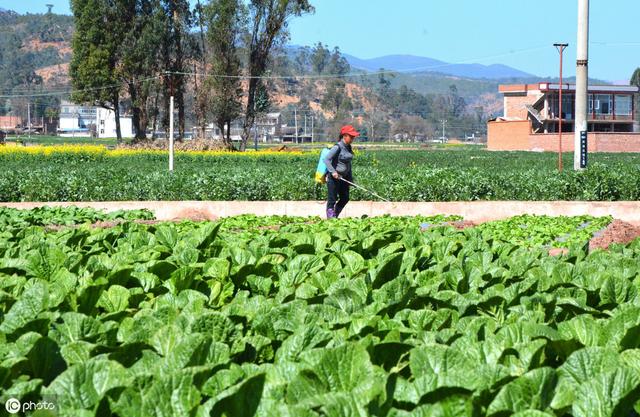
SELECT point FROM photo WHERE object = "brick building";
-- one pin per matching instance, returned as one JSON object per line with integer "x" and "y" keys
{"x": 531, "y": 118}
{"x": 10, "y": 124}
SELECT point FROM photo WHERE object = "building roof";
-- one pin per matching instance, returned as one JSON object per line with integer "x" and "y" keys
{"x": 544, "y": 87}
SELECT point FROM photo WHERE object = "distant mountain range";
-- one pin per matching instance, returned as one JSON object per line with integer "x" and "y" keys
{"x": 418, "y": 64}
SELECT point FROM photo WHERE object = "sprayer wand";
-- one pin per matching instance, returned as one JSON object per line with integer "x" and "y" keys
{"x": 364, "y": 189}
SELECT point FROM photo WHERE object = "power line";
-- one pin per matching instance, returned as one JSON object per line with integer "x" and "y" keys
{"x": 281, "y": 77}
{"x": 59, "y": 91}
{"x": 69, "y": 92}
{"x": 615, "y": 43}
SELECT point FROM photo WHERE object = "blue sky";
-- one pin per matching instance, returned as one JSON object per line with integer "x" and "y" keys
{"x": 517, "y": 33}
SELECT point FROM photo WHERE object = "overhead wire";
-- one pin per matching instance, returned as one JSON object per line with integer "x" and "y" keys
{"x": 69, "y": 92}
{"x": 61, "y": 90}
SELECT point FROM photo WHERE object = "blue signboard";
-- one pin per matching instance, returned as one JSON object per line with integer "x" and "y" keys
{"x": 583, "y": 149}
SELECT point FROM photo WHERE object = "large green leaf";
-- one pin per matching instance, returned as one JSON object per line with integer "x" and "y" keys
{"x": 239, "y": 401}
{"x": 306, "y": 337}
{"x": 623, "y": 330}
{"x": 45, "y": 360}
{"x": 581, "y": 367}
{"x": 115, "y": 299}
{"x": 83, "y": 385}
{"x": 608, "y": 394}
{"x": 439, "y": 369}
{"x": 453, "y": 406}
{"x": 345, "y": 369}
{"x": 33, "y": 301}
{"x": 534, "y": 390}
{"x": 75, "y": 327}
{"x": 172, "y": 396}
{"x": 353, "y": 262}
{"x": 532, "y": 413}
{"x": 167, "y": 235}
{"x": 388, "y": 269}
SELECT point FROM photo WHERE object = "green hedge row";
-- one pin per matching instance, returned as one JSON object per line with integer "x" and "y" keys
{"x": 397, "y": 175}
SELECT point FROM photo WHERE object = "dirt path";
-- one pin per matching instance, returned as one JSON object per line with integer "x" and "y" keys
{"x": 617, "y": 232}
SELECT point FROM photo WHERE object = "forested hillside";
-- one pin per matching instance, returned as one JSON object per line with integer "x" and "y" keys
{"x": 316, "y": 81}
{"x": 31, "y": 46}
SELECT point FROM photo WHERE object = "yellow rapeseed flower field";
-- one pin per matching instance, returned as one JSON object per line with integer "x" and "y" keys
{"x": 98, "y": 150}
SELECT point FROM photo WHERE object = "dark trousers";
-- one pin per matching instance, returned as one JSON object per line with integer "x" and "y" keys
{"x": 338, "y": 191}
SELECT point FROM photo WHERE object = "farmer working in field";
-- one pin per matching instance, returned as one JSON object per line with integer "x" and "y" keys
{"x": 338, "y": 162}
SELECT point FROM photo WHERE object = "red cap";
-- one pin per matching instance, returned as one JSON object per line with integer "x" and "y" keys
{"x": 349, "y": 130}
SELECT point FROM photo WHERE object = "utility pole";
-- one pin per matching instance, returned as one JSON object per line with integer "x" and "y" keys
{"x": 560, "y": 47}
{"x": 255, "y": 137}
{"x": 305, "y": 127}
{"x": 371, "y": 136}
{"x": 171, "y": 134}
{"x": 295, "y": 115}
{"x": 582, "y": 76}
{"x": 444, "y": 122}
{"x": 29, "y": 118}
{"x": 312, "y": 128}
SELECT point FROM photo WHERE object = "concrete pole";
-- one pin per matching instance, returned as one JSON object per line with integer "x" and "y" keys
{"x": 561, "y": 47}
{"x": 582, "y": 76}
{"x": 171, "y": 134}
{"x": 311, "y": 128}
{"x": 29, "y": 118}
{"x": 255, "y": 138}
{"x": 295, "y": 116}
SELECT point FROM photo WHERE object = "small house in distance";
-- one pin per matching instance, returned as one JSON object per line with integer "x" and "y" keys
{"x": 10, "y": 124}
{"x": 532, "y": 117}
{"x": 266, "y": 128}
{"x": 91, "y": 121}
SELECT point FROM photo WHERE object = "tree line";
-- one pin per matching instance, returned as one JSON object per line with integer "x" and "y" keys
{"x": 147, "y": 50}
{"x": 215, "y": 59}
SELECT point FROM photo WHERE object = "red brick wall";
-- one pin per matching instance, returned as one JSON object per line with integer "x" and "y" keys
{"x": 508, "y": 136}
{"x": 514, "y": 105}
{"x": 549, "y": 142}
{"x": 517, "y": 136}
{"x": 10, "y": 122}
{"x": 597, "y": 142}
{"x": 616, "y": 142}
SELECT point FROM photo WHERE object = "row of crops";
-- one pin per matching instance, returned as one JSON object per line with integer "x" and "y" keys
{"x": 282, "y": 316}
{"x": 94, "y": 174}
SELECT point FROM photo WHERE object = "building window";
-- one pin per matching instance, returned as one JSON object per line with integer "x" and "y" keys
{"x": 568, "y": 104}
{"x": 102, "y": 131}
{"x": 623, "y": 105}
{"x": 102, "y": 122}
{"x": 600, "y": 104}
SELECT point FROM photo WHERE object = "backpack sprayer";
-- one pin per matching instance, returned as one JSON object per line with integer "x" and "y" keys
{"x": 321, "y": 172}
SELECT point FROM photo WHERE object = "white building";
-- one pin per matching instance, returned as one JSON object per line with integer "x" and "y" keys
{"x": 91, "y": 121}
{"x": 266, "y": 128}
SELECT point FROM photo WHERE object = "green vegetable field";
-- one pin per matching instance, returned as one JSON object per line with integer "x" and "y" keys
{"x": 412, "y": 175}
{"x": 282, "y": 316}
